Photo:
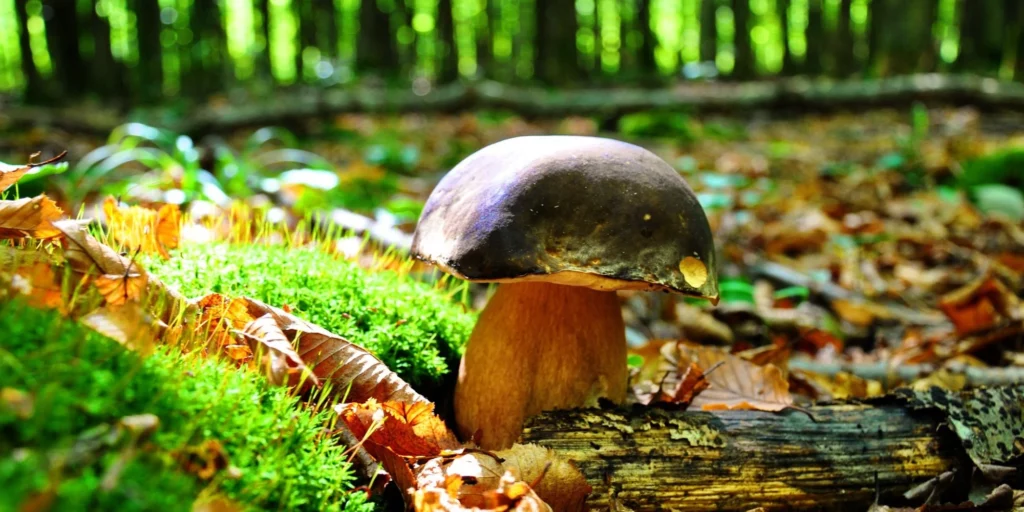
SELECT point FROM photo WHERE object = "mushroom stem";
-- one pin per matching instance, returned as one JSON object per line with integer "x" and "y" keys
{"x": 538, "y": 346}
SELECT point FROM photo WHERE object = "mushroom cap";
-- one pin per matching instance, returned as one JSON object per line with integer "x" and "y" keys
{"x": 583, "y": 211}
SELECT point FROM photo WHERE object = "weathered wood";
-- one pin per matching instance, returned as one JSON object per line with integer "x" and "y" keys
{"x": 656, "y": 459}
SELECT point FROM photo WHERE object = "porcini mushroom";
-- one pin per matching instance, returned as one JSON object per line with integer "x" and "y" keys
{"x": 561, "y": 223}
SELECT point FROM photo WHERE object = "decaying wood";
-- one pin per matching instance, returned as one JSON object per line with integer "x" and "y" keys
{"x": 884, "y": 372}
{"x": 783, "y": 94}
{"x": 657, "y": 459}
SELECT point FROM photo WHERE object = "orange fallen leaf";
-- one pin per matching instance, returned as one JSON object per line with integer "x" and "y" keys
{"x": 119, "y": 289}
{"x": 204, "y": 460}
{"x": 10, "y": 174}
{"x": 219, "y": 317}
{"x": 150, "y": 231}
{"x": 690, "y": 384}
{"x": 39, "y": 284}
{"x": 738, "y": 384}
{"x": 980, "y": 305}
{"x": 29, "y": 217}
{"x": 410, "y": 430}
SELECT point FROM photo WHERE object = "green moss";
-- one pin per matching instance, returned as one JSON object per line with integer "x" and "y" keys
{"x": 81, "y": 385}
{"x": 416, "y": 330}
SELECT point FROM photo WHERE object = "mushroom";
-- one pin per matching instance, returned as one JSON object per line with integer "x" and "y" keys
{"x": 561, "y": 223}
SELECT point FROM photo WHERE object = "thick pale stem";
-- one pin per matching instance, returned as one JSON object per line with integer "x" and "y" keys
{"x": 537, "y": 347}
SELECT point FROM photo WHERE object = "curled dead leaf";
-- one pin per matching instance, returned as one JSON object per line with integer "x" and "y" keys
{"x": 29, "y": 217}
{"x": 10, "y": 174}
{"x": 280, "y": 361}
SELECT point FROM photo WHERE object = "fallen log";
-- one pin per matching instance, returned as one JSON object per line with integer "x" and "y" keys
{"x": 837, "y": 458}
{"x": 783, "y": 95}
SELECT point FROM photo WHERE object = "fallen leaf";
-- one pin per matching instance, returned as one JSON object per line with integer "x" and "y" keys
{"x": 980, "y": 305}
{"x": 737, "y": 384}
{"x": 355, "y": 373}
{"x": 150, "y": 231}
{"x": 842, "y": 386}
{"x": 85, "y": 253}
{"x": 690, "y": 384}
{"x": 408, "y": 429}
{"x": 29, "y": 217}
{"x": 129, "y": 325}
{"x": 39, "y": 285}
{"x": 10, "y": 174}
{"x": 556, "y": 480}
{"x": 281, "y": 362}
{"x": 204, "y": 460}
{"x": 119, "y": 289}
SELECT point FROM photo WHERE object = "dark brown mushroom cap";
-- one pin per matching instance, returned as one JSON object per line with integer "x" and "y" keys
{"x": 586, "y": 211}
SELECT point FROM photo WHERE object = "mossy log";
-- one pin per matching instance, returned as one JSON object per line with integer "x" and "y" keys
{"x": 835, "y": 458}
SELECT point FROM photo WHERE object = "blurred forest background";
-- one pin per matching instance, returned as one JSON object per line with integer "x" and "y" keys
{"x": 149, "y": 51}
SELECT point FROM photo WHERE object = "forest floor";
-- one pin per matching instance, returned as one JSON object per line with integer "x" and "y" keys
{"x": 861, "y": 254}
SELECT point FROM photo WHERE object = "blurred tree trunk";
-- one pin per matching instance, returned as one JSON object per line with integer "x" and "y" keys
{"x": 306, "y": 16}
{"x": 789, "y": 66}
{"x": 448, "y": 69}
{"x": 745, "y": 67}
{"x": 62, "y": 41}
{"x": 646, "y": 63}
{"x": 555, "y": 43}
{"x": 813, "y": 59}
{"x": 150, "y": 67}
{"x": 708, "y": 31}
{"x": 1018, "y": 72}
{"x": 928, "y": 56}
{"x": 326, "y": 15}
{"x": 34, "y": 87}
{"x": 485, "y": 40}
{"x": 981, "y": 34}
{"x": 376, "y": 49}
{"x": 207, "y": 50}
{"x": 263, "y": 67}
{"x": 105, "y": 73}
{"x": 908, "y": 40}
{"x": 844, "y": 58}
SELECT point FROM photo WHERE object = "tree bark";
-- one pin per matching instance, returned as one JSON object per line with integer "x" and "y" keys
{"x": 646, "y": 63}
{"x": 263, "y": 67}
{"x": 655, "y": 459}
{"x": 745, "y": 64}
{"x": 207, "y": 67}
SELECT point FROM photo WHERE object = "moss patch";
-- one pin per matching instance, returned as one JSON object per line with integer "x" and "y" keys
{"x": 416, "y": 330}
{"x": 80, "y": 385}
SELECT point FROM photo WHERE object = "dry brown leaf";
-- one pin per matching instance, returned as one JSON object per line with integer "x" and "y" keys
{"x": 129, "y": 325}
{"x": 690, "y": 384}
{"x": 980, "y": 305}
{"x": 29, "y": 217}
{"x": 39, "y": 285}
{"x": 410, "y": 430}
{"x": 85, "y": 253}
{"x": 204, "y": 460}
{"x": 10, "y": 174}
{"x": 556, "y": 480}
{"x": 356, "y": 374}
{"x": 150, "y": 231}
{"x": 280, "y": 361}
{"x": 737, "y": 384}
{"x": 119, "y": 289}
{"x": 840, "y": 387}
{"x": 451, "y": 494}
{"x": 218, "y": 319}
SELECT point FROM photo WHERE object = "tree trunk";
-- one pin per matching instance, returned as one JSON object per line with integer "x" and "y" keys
{"x": 62, "y": 41}
{"x": 263, "y": 67}
{"x": 789, "y": 66}
{"x": 485, "y": 41}
{"x": 448, "y": 66}
{"x": 745, "y": 66}
{"x": 658, "y": 459}
{"x": 150, "y": 67}
{"x": 555, "y": 43}
{"x": 376, "y": 50}
{"x": 35, "y": 89}
{"x": 206, "y": 71}
{"x": 645, "y": 59}
{"x": 844, "y": 58}
{"x": 813, "y": 59}
{"x": 708, "y": 31}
